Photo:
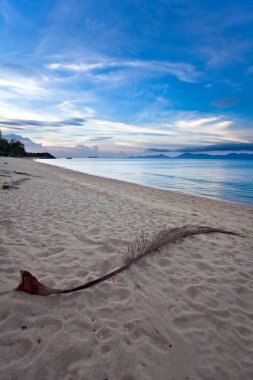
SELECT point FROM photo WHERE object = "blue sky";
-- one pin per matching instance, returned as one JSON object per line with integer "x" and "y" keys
{"x": 127, "y": 77}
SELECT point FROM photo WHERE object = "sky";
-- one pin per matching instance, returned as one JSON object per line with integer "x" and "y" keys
{"x": 137, "y": 77}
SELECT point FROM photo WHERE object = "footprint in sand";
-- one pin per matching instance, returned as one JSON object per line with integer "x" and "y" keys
{"x": 13, "y": 348}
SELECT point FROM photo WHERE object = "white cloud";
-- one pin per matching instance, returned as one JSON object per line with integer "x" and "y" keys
{"x": 68, "y": 108}
{"x": 77, "y": 67}
{"x": 196, "y": 122}
{"x": 30, "y": 145}
{"x": 75, "y": 151}
{"x": 21, "y": 111}
{"x": 83, "y": 126}
{"x": 213, "y": 128}
{"x": 183, "y": 71}
{"x": 14, "y": 85}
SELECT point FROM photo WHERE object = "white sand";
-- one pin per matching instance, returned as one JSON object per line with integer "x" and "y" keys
{"x": 185, "y": 312}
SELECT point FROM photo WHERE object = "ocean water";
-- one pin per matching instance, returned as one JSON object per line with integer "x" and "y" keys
{"x": 229, "y": 180}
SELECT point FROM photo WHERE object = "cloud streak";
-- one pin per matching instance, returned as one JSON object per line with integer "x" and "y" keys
{"x": 183, "y": 71}
{"x": 173, "y": 133}
{"x": 221, "y": 147}
{"x": 36, "y": 123}
{"x": 16, "y": 85}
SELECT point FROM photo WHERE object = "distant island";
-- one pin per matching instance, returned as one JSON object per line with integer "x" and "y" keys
{"x": 230, "y": 156}
{"x": 39, "y": 155}
{"x": 15, "y": 148}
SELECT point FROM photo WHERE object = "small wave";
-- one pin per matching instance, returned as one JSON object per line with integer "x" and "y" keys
{"x": 204, "y": 180}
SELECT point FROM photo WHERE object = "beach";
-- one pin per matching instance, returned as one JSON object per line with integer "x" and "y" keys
{"x": 182, "y": 312}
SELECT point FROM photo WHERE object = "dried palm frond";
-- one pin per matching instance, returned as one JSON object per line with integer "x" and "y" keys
{"x": 136, "y": 250}
{"x": 146, "y": 244}
{"x": 13, "y": 184}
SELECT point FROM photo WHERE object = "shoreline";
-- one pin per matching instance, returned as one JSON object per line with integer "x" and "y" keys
{"x": 232, "y": 201}
{"x": 184, "y": 311}
{"x": 206, "y": 197}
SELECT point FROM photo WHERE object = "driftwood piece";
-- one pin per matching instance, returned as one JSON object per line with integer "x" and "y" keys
{"x": 6, "y": 186}
{"x": 13, "y": 184}
{"x": 27, "y": 174}
{"x": 5, "y": 173}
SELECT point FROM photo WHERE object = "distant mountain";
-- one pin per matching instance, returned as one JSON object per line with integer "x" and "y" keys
{"x": 152, "y": 156}
{"x": 203, "y": 156}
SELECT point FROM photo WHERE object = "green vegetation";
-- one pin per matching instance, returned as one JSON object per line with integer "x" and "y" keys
{"x": 15, "y": 148}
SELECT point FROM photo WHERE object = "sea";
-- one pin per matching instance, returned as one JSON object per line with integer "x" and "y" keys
{"x": 227, "y": 180}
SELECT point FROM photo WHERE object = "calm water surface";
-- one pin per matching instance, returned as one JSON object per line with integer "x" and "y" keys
{"x": 230, "y": 180}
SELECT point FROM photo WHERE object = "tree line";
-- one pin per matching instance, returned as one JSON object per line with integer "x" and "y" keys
{"x": 15, "y": 148}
